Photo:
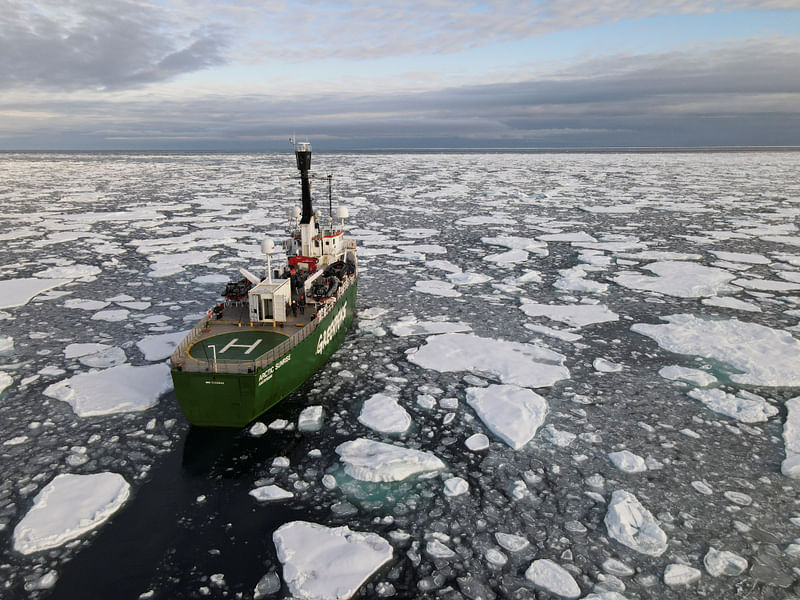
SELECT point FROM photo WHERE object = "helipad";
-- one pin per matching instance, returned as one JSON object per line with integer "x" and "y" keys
{"x": 242, "y": 345}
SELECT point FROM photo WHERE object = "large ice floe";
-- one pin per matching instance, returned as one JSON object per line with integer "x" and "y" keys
{"x": 327, "y": 563}
{"x": 123, "y": 388}
{"x": 633, "y": 525}
{"x": 791, "y": 438}
{"x": 516, "y": 363}
{"x": 758, "y": 355}
{"x": 17, "y": 292}
{"x": 576, "y": 315}
{"x": 67, "y": 507}
{"x": 744, "y": 406}
{"x": 512, "y": 413}
{"x": 368, "y": 460}
{"x": 678, "y": 278}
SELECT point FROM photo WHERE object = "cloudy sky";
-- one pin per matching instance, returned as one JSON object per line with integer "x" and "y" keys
{"x": 364, "y": 74}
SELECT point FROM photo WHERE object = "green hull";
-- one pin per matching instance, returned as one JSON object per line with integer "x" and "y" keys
{"x": 235, "y": 399}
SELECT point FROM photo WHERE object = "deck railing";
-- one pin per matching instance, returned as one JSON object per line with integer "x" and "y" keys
{"x": 177, "y": 360}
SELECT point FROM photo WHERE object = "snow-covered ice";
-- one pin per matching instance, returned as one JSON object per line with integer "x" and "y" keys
{"x": 159, "y": 347}
{"x": 512, "y": 413}
{"x": 552, "y": 578}
{"x": 514, "y": 363}
{"x": 17, "y": 292}
{"x": 745, "y": 407}
{"x": 123, "y": 388}
{"x": 575, "y": 315}
{"x": 678, "y": 278}
{"x": 721, "y": 563}
{"x": 311, "y": 418}
{"x": 383, "y": 414}
{"x": 368, "y": 460}
{"x": 633, "y": 525}
{"x": 676, "y": 575}
{"x": 269, "y": 493}
{"x": 455, "y": 486}
{"x": 327, "y": 563}
{"x": 791, "y": 438}
{"x": 687, "y": 374}
{"x": 67, "y": 507}
{"x": 761, "y": 355}
{"x": 627, "y": 462}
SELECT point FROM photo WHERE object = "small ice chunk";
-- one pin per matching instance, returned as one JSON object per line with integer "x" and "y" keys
{"x": 739, "y": 498}
{"x": 633, "y": 525}
{"x": 321, "y": 563}
{"x": 368, "y": 460}
{"x": 749, "y": 409}
{"x": 67, "y": 507}
{"x": 258, "y": 429}
{"x": 477, "y": 442}
{"x": 791, "y": 438}
{"x": 627, "y": 461}
{"x": 278, "y": 424}
{"x": 723, "y": 562}
{"x": 512, "y": 413}
{"x": 5, "y": 381}
{"x": 702, "y": 488}
{"x": 696, "y": 376}
{"x": 615, "y": 567}
{"x": 383, "y": 414}
{"x": 269, "y": 584}
{"x": 311, "y": 418}
{"x": 426, "y": 401}
{"x": 267, "y": 493}
{"x": 281, "y": 462}
{"x": 552, "y": 578}
{"x": 606, "y": 366}
{"x": 436, "y": 549}
{"x": 511, "y": 542}
{"x": 329, "y": 481}
{"x": 495, "y": 557}
{"x": 119, "y": 389}
{"x": 677, "y": 575}
{"x": 455, "y": 486}
{"x": 6, "y": 343}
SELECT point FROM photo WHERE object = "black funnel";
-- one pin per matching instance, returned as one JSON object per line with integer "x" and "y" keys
{"x": 302, "y": 151}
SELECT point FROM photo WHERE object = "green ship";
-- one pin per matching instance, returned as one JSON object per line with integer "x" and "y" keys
{"x": 271, "y": 334}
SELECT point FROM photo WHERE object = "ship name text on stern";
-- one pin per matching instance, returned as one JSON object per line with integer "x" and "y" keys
{"x": 332, "y": 329}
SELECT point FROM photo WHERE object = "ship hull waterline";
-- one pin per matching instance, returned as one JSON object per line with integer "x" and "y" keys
{"x": 210, "y": 399}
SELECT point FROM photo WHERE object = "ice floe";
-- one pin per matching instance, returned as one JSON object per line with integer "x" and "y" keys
{"x": 628, "y": 462}
{"x": 512, "y": 413}
{"x": 311, "y": 418}
{"x": 83, "y": 304}
{"x": 327, "y": 563}
{"x": 111, "y": 315}
{"x": 791, "y": 438}
{"x": 123, "y": 388}
{"x": 676, "y": 575}
{"x": 437, "y": 287}
{"x": 455, "y": 486}
{"x": 745, "y": 406}
{"x": 678, "y": 278}
{"x": 633, "y": 525}
{"x": 5, "y": 381}
{"x": 67, "y": 507}
{"x": 732, "y": 303}
{"x": 510, "y": 257}
{"x": 368, "y": 460}
{"x": 576, "y": 315}
{"x": 552, "y": 578}
{"x": 515, "y": 363}
{"x": 411, "y": 326}
{"x": 159, "y": 347}
{"x": 6, "y": 343}
{"x": 17, "y": 292}
{"x": 477, "y": 442}
{"x": 270, "y": 493}
{"x": 724, "y": 562}
{"x": 687, "y": 374}
{"x": 603, "y": 365}
{"x": 762, "y": 355}
{"x": 383, "y": 414}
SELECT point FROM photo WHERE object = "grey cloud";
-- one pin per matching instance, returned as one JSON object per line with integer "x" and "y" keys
{"x": 112, "y": 44}
{"x": 739, "y": 94}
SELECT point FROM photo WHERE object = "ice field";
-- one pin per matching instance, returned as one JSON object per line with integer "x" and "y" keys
{"x": 570, "y": 376}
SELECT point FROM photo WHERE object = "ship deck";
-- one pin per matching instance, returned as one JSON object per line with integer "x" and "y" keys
{"x": 241, "y": 346}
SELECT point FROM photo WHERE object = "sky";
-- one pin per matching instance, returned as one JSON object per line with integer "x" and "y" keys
{"x": 366, "y": 74}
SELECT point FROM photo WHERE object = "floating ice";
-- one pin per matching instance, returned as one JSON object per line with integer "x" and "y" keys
{"x": 791, "y": 438}
{"x": 763, "y": 355}
{"x": 512, "y": 413}
{"x": 576, "y": 315}
{"x": 367, "y": 460}
{"x": 109, "y": 357}
{"x": 678, "y": 278}
{"x": 574, "y": 279}
{"x": 723, "y": 562}
{"x": 560, "y": 334}
{"x": 468, "y": 278}
{"x": 477, "y": 442}
{"x": 5, "y": 381}
{"x": 742, "y": 257}
{"x": 257, "y": 429}
{"x": 436, "y": 549}
{"x": 82, "y": 272}
{"x": 119, "y": 389}
{"x": 311, "y": 418}
{"x": 268, "y": 493}
{"x": 766, "y": 285}
{"x": 67, "y": 507}
{"x": 677, "y": 575}
{"x": 633, "y": 525}
{"x": 6, "y": 343}
{"x": 111, "y": 315}
{"x": 575, "y": 236}
{"x": 744, "y": 407}
{"x": 511, "y": 542}
{"x": 214, "y": 279}
{"x": 696, "y": 376}
{"x": 732, "y": 303}
{"x": 159, "y": 347}
{"x": 515, "y": 363}
{"x": 409, "y": 327}
{"x": 324, "y": 563}
{"x": 606, "y": 366}
{"x": 552, "y": 578}
{"x": 85, "y": 304}
{"x": 627, "y": 461}
{"x": 17, "y": 292}
{"x": 507, "y": 258}
{"x": 455, "y": 486}
{"x": 77, "y": 350}
{"x": 437, "y": 287}
{"x": 383, "y": 414}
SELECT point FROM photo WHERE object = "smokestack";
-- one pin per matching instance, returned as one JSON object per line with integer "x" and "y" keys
{"x": 302, "y": 151}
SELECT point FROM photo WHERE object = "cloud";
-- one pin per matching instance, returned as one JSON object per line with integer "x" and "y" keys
{"x": 742, "y": 93}
{"x": 113, "y": 44}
